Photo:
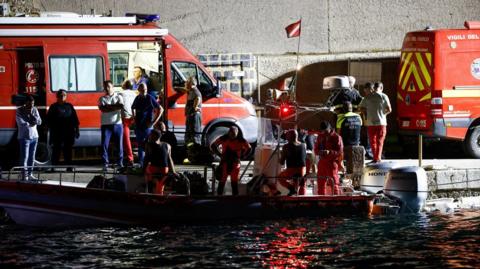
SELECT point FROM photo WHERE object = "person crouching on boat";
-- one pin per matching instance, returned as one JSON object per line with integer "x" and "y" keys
{"x": 329, "y": 148}
{"x": 294, "y": 153}
{"x": 158, "y": 162}
{"x": 234, "y": 146}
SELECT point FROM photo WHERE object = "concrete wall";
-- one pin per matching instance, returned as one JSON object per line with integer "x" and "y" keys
{"x": 453, "y": 183}
{"x": 332, "y": 30}
{"x": 329, "y": 26}
{"x": 22, "y": 7}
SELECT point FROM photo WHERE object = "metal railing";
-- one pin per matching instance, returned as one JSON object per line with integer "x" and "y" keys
{"x": 22, "y": 172}
{"x": 72, "y": 174}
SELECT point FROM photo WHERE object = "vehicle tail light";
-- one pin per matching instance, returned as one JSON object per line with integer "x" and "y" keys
{"x": 437, "y": 101}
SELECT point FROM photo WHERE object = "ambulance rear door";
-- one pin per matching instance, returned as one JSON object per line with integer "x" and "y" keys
{"x": 415, "y": 82}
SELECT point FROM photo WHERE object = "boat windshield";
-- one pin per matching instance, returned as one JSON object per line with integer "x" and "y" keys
{"x": 268, "y": 132}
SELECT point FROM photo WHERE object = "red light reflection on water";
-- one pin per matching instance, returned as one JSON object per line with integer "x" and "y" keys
{"x": 290, "y": 249}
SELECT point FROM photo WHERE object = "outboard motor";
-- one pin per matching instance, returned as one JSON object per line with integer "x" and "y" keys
{"x": 407, "y": 185}
{"x": 374, "y": 176}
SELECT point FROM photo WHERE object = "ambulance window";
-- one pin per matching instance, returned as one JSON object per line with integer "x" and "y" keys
{"x": 177, "y": 80}
{"x": 118, "y": 67}
{"x": 187, "y": 69}
{"x": 205, "y": 85}
{"x": 183, "y": 70}
{"x": 76, "y": 73}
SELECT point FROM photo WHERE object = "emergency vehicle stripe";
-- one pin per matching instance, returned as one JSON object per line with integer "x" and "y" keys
{"x": 418, "y": 66}
{"x": 85, "y": 107}
{"x": 405, "y": 64}
{"x": 429, "y": 58}
{"x": 417, "y": 77}
{"x": 427, "y": 96}
{"x": 215, "y": 105}
{"x": 45, "y": 107}
{"x": 412, "y": 70}
{"x": 399, "y": 96}
{"x": 96, "y": 107}
{"x": 460, "y": 93}
{"x": 423, "y": 68}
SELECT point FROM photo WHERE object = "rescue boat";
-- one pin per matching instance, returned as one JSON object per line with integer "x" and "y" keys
{"x": 47, "y": 204}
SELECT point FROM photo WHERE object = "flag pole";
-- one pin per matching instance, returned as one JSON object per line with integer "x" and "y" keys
{"x": 298, "y": 61}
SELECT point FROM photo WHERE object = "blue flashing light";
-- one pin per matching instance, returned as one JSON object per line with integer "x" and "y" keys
{"x": 145, "y": 17}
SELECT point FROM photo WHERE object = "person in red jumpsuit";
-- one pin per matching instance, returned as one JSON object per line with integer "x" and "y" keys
{"x": 294, "y": 153}
{"x": 329, "y": 147}
{"x": 233, "y": 147}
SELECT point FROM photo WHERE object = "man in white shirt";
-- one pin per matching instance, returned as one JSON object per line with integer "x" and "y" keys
{"x": 111, "y": 105}
{"x": 376, "y": 106}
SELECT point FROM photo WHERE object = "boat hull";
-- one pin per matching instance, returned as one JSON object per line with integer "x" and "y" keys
{"x": 51, "y": 205}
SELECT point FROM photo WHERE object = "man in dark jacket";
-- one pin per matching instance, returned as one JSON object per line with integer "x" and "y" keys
{"x": 63, "y": 125}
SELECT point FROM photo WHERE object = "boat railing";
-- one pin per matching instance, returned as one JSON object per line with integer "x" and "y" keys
{"x": 57, "y": 174}
{"x": 81, "y": 176}
{"x": 20, "y": 172}
{"x": 66, "y": 173}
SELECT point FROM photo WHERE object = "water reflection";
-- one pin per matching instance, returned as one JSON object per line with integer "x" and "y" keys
{"x": 430, "y": 241}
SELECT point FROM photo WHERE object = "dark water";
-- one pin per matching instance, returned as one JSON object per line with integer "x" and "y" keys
{"x": 413, "y": 241}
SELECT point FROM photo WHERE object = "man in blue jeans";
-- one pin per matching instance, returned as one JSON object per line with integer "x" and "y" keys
{"x": 147, "y": 112}
{"x": 111, "y": 105}
{"x": 28, "y": 119}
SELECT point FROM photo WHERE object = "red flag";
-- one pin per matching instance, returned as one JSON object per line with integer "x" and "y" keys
{"x": 293, "y": 30}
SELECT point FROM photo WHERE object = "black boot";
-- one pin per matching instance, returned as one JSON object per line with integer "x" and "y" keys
{"x": 220, "y": 188}
{"x": 234, "y": 188}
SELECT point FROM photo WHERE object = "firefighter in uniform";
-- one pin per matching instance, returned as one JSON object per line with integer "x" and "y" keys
{"x": 329, "y": 148}
{"x": 193, "y": 115}
{"x": 347, "y": 94}
{"x": 349, "y": 125}
{"x": 233, "y": 147}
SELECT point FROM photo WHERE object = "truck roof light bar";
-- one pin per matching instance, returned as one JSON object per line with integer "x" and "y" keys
{"x": 83, "y": 32}
{"x": 144, "y": 17}
{"x": 66, "y": 20}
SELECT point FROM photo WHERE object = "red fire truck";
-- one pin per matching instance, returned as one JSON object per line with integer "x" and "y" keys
{"x": 438, "y": 87}
{"x": 41, "y": 55}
